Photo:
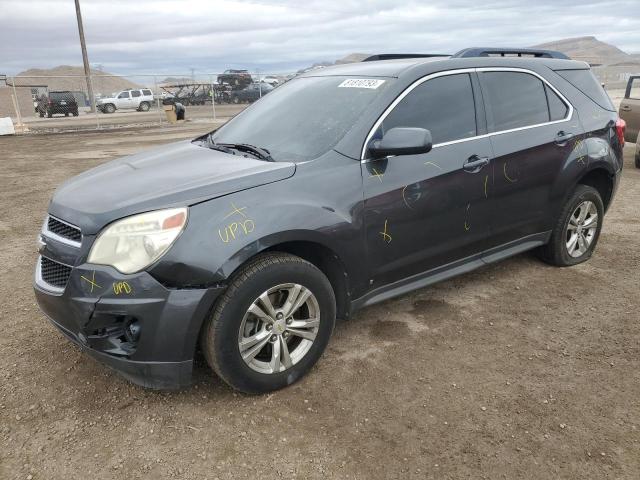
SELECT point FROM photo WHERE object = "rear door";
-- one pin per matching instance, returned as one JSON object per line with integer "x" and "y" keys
{"x": 532, "y": 134}
{"x": 424, "y": 211}
{"x": 630, "y": 109}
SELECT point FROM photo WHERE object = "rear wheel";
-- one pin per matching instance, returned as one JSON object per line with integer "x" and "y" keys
{"x": 576, "y": 232}
{"x": 271, "y": 325}
{"x": 49, "y": 113}
{"x": 75, "y": 113}
{"x": 41, "y": 113}
{"x": 144, "y": 107}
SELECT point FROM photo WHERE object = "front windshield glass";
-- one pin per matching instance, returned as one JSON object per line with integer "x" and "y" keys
{"x": 304, "y": 118}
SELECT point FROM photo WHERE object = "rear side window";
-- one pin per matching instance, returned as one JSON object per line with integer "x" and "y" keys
{"x": 557, "y": 108}
{"x": 135, "y": 93}
{"x": 146, "y": 92}
{"x": 515, "y": 99}
{"x": 443, "y": 105}
{"x": 587, "y": 83}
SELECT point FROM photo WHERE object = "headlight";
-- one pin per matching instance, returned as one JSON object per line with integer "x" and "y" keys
{"x": 131, "y": 244}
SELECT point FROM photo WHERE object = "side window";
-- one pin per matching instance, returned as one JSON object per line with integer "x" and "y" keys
{"x": 634, "y": 91}
{"x": 443, "y": 105}
{"x": 514, "y": 99}
{"x": 124, "y": 95}
{"x": 146, "y": 92}
{"x": 557, "y": 108}
{"x": 586, "y": 82}
{"x": 135, "y": 93}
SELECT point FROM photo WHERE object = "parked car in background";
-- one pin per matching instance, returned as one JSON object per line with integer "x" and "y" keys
{"x": 342, "y": 188}
{"x": 137, "y": 99}
{"x": 250, "y": 94}
{"x": 238, "y": 79}
{"x": 61, "y": 102}
{"x": 630, "y": 113}
{"x": 273, "y": 81}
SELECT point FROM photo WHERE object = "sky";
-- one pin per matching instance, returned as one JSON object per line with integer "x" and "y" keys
{"x": 279, "y": 36}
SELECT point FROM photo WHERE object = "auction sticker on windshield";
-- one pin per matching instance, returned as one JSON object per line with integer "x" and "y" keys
{"x": 361, "y": 83}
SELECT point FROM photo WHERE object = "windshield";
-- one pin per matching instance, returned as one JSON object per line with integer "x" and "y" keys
{"x": 304, "y": 118}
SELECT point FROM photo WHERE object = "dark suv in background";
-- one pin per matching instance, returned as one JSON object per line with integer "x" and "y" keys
{"x": 342, "y": 188}
{"x": 62, "y": 102}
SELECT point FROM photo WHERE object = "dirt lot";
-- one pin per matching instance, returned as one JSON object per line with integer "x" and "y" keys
{"x": 518, "y": 370}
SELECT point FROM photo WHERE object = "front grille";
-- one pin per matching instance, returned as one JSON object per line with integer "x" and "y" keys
{"x": 64, "y": 229}
{"x": 54, "y": 273}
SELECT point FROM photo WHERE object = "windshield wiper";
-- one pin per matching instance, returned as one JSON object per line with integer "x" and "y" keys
{"x": 261, "y": 153}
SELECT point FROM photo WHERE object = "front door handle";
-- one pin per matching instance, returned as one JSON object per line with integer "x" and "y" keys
{"x": 475, "y": 163}
{"x": 625, "y": 108}
{"x": 563, "y": 137}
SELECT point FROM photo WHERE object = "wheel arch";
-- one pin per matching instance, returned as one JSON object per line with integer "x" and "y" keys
{"x": 602, "y": 180}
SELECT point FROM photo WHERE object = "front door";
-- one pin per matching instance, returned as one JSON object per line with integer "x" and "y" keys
{"x": 630, "y": 109}
{"x": 428, "y": 210}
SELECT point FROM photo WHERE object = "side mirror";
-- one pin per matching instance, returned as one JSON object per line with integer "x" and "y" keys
{"x": 402, "y": 141}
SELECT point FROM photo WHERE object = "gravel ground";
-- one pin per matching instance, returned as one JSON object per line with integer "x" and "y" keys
{"x": 518, "y": 370}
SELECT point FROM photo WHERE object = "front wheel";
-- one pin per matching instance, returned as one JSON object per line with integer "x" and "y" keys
{"x": 577, "y": 230}
{"x": 271, "y": 325}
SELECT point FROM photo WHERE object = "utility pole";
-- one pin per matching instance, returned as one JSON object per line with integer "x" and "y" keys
{"x": 85, "y": 59}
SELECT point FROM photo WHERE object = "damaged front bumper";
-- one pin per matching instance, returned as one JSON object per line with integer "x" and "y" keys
{"x": 146, "y": 332}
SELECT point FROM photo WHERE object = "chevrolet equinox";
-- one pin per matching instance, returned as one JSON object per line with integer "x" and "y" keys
{"x": 344, "y": 187}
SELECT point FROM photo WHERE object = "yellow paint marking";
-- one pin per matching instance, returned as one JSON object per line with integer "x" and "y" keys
{"x": 122, "y": 287}
{"x": 404, "y": 199}
{"x": 378, "y": 175}
{"x": 504, "y": 169}
{"x": 434, "y": 165}
{"x": 486, "y": 179}
{"x": 467, "y": 227}
{"x": 385, "y": 236}
{"x": 236, "y": 210}
{"x": 92, "y": 282}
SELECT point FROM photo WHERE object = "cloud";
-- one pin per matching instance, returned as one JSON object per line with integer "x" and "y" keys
{"x": 171, "y": 37}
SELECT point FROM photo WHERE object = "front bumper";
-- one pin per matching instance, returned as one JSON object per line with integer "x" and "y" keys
{"x": 146, "y": 332}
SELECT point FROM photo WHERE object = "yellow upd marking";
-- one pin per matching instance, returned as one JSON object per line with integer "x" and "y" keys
{"x": 236, "y": 210}
{"x": 385, "y": 236}
{"x": 378, "y": 175}
{"x": 92, "y": 281}
{"x": 504, "y": 169}
{"x": 433, "y": 164}
{"x": 122, "y": 287}
{"x": 231, "y": 231}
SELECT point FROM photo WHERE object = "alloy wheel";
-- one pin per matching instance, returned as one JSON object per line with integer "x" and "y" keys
{"x": 581, "y": 229}
{"x": 279, "y": 328}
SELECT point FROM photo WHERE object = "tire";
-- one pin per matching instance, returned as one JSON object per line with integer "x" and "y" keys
{"x": 66, "y": 114}
{"x": 144, "y": 107}
{"x": 109, "y": 108}
{"x": 235, "y": 99}
{"x": 230, "y": 320}
{"x": 638, "y": 160}
{"x": 556, "y": 252}
{"x": 75, "y": 113}
{"x": 49, "y": 114}
{"x": 41, "y": 113}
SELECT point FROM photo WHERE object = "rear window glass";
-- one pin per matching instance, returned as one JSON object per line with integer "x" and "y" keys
{"x": 61, "y": 96}
{"x": 515, "y": 99}
{"x": 586, "y": 82}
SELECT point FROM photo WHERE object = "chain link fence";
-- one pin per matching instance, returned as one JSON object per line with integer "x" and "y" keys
{"x": 61, "y": 103}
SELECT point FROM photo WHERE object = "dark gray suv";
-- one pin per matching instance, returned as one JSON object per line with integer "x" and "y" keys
{"x": 342, "y": 188}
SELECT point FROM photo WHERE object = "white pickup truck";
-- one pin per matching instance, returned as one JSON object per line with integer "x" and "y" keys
{"x": 139, "y": 99}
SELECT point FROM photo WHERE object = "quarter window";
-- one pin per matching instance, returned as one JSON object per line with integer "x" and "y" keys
{"x": 514, "y": 99}
{"x": 557, "y": 108}
{"x": 443, "y": 105}
{"x": 135, "y": 93}
{"x": 146, "y": 92}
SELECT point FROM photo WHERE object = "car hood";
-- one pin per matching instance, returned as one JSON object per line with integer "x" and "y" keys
{"x": 177, "y": 174}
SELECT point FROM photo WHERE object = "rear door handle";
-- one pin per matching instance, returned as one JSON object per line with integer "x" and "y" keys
{"x": 475, "y": 163}
{"x": 625, "y": 108}
{"x": 563, "y": 137}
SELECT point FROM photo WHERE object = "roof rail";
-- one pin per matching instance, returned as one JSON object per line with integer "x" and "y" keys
{"x": 502, "y": 52}
{"x": 396, "y": 56}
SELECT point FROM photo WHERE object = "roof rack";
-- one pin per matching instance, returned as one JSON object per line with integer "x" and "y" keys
{"x": 503, "y": 52}
{"x": 396, "y": 56}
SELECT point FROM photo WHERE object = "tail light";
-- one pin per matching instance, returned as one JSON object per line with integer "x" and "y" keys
{"x": 621, "y": 126}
